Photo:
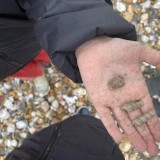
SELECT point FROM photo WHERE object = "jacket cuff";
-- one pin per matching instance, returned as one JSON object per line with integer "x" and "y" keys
{"x": 60, "y": 34}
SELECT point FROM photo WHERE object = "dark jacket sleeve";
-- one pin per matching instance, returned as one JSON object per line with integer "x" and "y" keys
{"x": 63, "y": 25}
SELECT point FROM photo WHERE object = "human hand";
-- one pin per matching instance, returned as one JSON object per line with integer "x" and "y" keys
{"x": 102, "y": 58}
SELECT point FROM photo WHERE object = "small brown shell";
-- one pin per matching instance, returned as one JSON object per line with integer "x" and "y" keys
{"x": 142, "y": 119}
{"x": 116, "y": 82}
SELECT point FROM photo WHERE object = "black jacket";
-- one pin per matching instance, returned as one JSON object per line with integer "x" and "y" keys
{"x": 80, "y": 137}
{"x": 59, "y": 27}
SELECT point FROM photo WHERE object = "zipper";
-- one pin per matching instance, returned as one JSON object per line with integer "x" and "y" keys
{"x": 51, "y": 144}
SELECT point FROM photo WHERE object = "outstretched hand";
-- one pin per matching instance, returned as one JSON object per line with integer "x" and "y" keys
{"x": 102, "y": 58}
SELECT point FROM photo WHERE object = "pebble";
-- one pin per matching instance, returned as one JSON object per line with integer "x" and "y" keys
{"x": 21, "y": 125}
{"x": 24, "y": 86}
{"x": 14, "y": 143}
{"x": 144, "y": 17}
{"x": 55, "y": 105}
{"x": 8, "y": 142}
{"x": 146, "y": 4}
{"x": 145, "y": 39}
{"x": 133, "y": 157}
{"x": 71, "y": 109}
{"x": 23, "y": 135}
{"x": 8, "y": 104}
{"x": 148, "y": 30}
{"x": 4, "y": 114}
{"x": 50, "y": 70}
{"x": 79, "y": 92}
{"x": 125, "y": 146}
{"x": 70, "y": 100}
{"x": 50, "y": 98}
{"x": 41, "y": 85}
{"x": 45, "y": 106}
{"x": 121, "y": 7}
{"x": 32, "y": 130}
{"x": 7, "y": 86}
{"x": 50, "y": 115}
{"x": 157, "y": 5}
{"x": 11, "y": 128}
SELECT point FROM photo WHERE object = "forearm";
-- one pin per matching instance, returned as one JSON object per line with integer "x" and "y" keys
{"x": 62, "y": 26}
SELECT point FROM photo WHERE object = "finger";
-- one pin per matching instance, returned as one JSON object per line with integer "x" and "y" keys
{"x": 125, "y": 123}
{"x": 109, "y": 123}
{"x": 145, "y": 133}
{"x": 153, "y": 123}
{"x": 151, "y": 56}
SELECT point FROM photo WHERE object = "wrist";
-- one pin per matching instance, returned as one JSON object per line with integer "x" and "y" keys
{"x": 92, "y": 44}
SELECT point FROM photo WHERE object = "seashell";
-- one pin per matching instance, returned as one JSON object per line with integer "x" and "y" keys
{"x": 132, "y": 106}
{"x": 116, "y": 82}
{"x": 142, "y": 119}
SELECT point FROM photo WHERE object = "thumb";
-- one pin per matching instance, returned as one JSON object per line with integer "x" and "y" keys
{"x": 151, "y": 56}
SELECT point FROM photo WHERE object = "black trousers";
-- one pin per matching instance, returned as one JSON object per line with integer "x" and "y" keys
{"x": 80, "y": 137}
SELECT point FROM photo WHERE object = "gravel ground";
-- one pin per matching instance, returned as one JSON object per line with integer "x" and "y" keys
{"x": 28, "y": 106}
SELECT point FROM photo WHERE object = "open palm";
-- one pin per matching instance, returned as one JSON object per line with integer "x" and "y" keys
{"x": 100, "y": 60}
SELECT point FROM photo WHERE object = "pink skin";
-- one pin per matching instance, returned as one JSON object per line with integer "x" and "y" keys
{"x": 99, "y": 60}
